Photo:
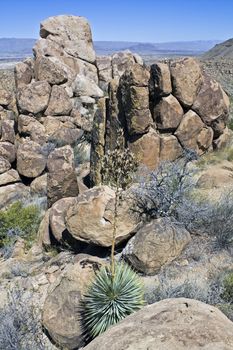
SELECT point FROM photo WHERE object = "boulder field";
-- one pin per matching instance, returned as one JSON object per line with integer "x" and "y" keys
{"x": 65, "y": 92}
{"x": 66, "y": 104}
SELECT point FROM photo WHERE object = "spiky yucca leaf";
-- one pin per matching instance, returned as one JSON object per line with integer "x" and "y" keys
{"x": 109, "y": 300}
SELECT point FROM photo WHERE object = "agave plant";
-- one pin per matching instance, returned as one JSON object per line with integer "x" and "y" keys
{"x": 110, "y": 300}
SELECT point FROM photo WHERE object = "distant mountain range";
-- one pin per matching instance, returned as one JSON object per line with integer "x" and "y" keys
{"x": 169, "y": 48}
{"x": 222, "y": 50}
{"x": 12, "y": 49}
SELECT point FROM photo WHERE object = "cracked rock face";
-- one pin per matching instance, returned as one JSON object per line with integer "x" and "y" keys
{"x": 91, "y": 218}
{"x": 179, "y": 324}
{"x": 155, "y": 244}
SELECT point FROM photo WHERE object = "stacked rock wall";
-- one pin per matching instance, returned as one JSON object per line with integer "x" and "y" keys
{"x": 65, "y": 92}
{"x": 162, "y": 110}
{"x": 48, "y": 106}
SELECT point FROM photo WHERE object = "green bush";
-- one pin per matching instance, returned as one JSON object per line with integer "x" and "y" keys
{"x": 110, "y": 299}
{"x": 17, "y": 218}
{"x": 227, "y": 294}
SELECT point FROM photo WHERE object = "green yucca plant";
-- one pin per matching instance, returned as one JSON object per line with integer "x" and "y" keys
{"x": 116, "y": 291}
{"x": 109, "y": 300}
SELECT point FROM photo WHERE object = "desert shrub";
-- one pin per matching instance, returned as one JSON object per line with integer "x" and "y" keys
{"x": 162, "y": 191}
{"x": 227, "y": 294}
{"x": 18, "y": 221}
{"x": 210, "y": 291}
{"x": 170, "y": 191}
{"x": 216, "y": 157}
{"x": 109, "y": 300}
{"x": 214, "y": 218}
{"x": 20, "y": 328}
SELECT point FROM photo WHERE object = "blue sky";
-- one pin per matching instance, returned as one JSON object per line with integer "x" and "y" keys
{"x": 122, "y": 20}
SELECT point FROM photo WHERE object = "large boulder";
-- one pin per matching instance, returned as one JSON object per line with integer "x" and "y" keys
{"x": 216, "y": 176}
{"x": 91, "y": 219}
{"x": 60, "y": 315}
{"x": 7, "y": 151}
{"x": 73, "y": 33}
{"x": 168, "y": 113}
{"x": 8, "y": 131}
{"x": 212, "y": 102}
{"x": 9, "y": 177}
{"x": 147, "y": 149}
{"x": 30, "y": 126}
{"x": 155, "y": 244}
{"x": 62, "y": 180}
{"x": 171, "y": 324}
{"x": 136, "y": 108}
{"x": 24, "y": 72}
{"x": 4, "y": 165}
{"x": 57, "y": 216}
{"x": 160, "y": 82}
{"x": 13, "y": 192}
{"x": 194, "y": 134}
{"x": 5, "y": 97}
{"x": 59, "y": 103}
{"x": 170, "y": 148}
{"x": 122, "y": 61}
{"x": 31, "y": 160}
{"x": 187, "y": 79}
{"x": 104, "y": 64}
{"x": 34, "y": 98}
{"x": 84, "y": 86}
{"x": 51, "y": 70}
{"x": 39, "y": 185}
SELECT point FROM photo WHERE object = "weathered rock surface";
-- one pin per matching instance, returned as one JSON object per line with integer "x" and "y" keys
{"x": 62, "y": 181}
{"x": 147, "y": 149}
{"x": 34, "y": 98}
{"x": 59, "y": 103}
{"x": 24, "y": 73}
{"x": 155, "y": 244}
{"x": 60, "y": 312}
{"x": 160, "y": 83}
{"x": 194, "y": 134}
{"x": 50, "y": 69}
{"x": 91, "y": 218}
{"x": 9, "y": 177}
{"x": 168, "y": 113}
{"x": 4, "y": 165}
{"x": 71, "y": 32}
{"x": 29, "y": 126}
{"x": 186, "y": 78}
{"x": 13, "y": 192}
{"x": 7, "y": 151}
{"x": 136, "y": 107}
{"x": 170, "y": 148}
{"x": 39, "y": 185}
{"x": 5, "y": 97}
{"x": 31, "y": 161}
{"x": 216, "y": 176}
{"x": 212, "y": 102}
{"x": 179, "y": 324}
{"x": 8, "y": 131}
{"x": 57, "y": 216}
{"x": 84, "y": 86}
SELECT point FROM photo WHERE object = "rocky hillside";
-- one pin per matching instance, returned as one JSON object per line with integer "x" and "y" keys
{"x": 105, "y": 152}
{"x": 222, "y": 50}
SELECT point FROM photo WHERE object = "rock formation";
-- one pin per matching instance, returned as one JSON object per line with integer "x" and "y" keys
{"x": 162, "y": 110}
{"x": 179, "y": 324}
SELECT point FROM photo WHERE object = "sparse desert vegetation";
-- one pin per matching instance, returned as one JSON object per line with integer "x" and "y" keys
{"x": 116, "y": 198}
